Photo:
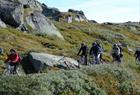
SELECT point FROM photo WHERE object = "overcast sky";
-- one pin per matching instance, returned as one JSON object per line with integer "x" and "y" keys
{"x": 101, "y": 10}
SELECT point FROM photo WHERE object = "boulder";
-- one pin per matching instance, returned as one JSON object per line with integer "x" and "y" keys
{"x": 11, "y": 12}
{"x": 2, "y": 24}
{"x": 79, "y": 15}
{"x": 108, "y": 23}
{"x": 42, "y": 60}
{"x": 42, "y": 25}
{"x": 119, "y": 36}
{"x": 52, "y": 13}
{"x": 132, "y": 28}
{"x": 93, "y": 21}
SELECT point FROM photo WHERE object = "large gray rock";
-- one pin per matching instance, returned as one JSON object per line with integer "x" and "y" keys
{"x": 41, "y": 25}
{"x": 52, "y": 13}
{"x": 2, "y": 24}
{"x": 11, "y": 12}
{"x": 42, "y": 60}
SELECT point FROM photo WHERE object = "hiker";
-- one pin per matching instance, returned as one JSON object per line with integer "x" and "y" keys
{"x": 96, "y": 51}
{"x": 83, "y": 54}
{"x": 13, "y": 60}
{"x": 116, "y": 53}
{"x": 137, "y": 55}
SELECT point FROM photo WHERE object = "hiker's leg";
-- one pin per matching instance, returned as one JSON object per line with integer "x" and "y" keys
{"x": 96, "y": 59}
{"x": 119, "y": 59}
{"x": 11, "y": 67}
{"x": 139, "y": 58}
{"x": 7, "y": 70}
{"x": 101, "y": 58}
{"x": 15, "y": 65}
{"x": 86, "y": 60}
{"x": 14, "y": 70}
{"x": 114, "y": 57}
{"x": 93, "y": 59}
{"x": 82, "y": 59}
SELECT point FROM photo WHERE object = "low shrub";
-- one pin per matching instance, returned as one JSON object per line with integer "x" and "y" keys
{"x": 54, "y": 83}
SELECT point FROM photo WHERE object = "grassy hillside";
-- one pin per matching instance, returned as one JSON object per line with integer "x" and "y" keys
{"x": 107, "y": 79}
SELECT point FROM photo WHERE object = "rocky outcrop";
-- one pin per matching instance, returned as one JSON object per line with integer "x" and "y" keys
{"x": 52, "y": 13}
{"x": 78, "y": 15}
{"x": 93, "y": 21}
{"x": 2, "y": 24}
{"x": 69, "y": 17}
{"x": 38, "y": 61}
{"x": 11, "y": 12}
{"x": 132, "y": 26}
{"x": 41, "y": 25}
{"x": 14, "y": 13}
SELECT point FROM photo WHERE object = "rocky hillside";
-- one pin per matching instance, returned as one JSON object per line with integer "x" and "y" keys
{"x": 26, "y": 15}
{"x": 28, "y": 25}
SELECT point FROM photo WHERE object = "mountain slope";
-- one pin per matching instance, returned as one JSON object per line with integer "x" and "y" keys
{"x": 103, "y": 79}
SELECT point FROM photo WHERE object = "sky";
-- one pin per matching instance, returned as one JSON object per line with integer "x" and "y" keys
{"x": 101, "y": 10}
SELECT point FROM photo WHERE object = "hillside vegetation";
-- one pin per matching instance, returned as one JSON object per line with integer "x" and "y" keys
{"x": 104, "y": 79}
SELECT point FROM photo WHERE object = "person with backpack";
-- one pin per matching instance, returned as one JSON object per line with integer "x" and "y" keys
{"x": 137, "y": 55}
{"x": 83, "y": 52}
{"x": 116, "y": 53}
{"x": 13, "y": 60}
{"x": 96, "y": 51}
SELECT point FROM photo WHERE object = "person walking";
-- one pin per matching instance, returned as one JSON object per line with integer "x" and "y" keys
{"x": 83, "y": 52}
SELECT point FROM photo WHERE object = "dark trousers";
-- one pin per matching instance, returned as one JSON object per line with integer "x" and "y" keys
{"x": 83, "y": 59}
{"x": 116, "y": 57}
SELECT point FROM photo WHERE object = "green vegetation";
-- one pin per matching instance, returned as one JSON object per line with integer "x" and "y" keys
{"x": 104, "y": 79}
{"x": 93, "y": 80}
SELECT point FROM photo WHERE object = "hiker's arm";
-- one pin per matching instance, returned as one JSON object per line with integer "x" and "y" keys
{"x": 79, "y": 51}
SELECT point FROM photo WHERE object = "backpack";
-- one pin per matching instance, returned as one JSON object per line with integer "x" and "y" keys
{"x": 99, "y": 48}
{"x": 116, "y": 50}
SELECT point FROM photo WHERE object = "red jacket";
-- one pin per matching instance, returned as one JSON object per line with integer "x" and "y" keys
{"x": 14, "y": 58}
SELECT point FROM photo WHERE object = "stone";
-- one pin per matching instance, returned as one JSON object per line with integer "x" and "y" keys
{"x": 11, "y": 12}
{"x": 2, "y": 24}
{"x": 42, "y": 25}
{"x": 39, "y": 61}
